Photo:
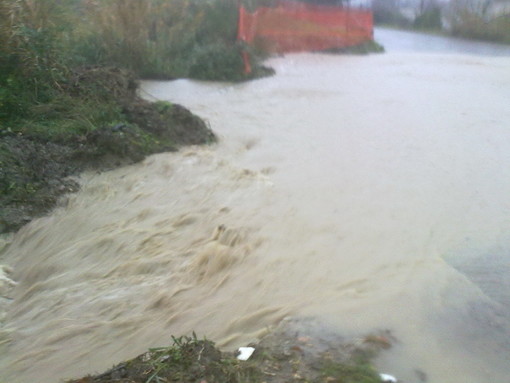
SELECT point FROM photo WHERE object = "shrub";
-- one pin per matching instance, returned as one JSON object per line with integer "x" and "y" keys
{"x": 217, "y": 62}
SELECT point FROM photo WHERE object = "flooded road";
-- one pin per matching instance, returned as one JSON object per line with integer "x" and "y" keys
{"x": 366, "y": 191}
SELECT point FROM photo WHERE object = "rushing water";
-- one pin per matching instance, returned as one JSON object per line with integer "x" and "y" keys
{"x": 371, "y": 192}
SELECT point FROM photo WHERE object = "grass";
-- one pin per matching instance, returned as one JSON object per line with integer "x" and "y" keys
{"x": 188, "y": 359}
{"x": 368, "y": 47}
{"x": 359, "y": 372}
{"x": 42, "y": 41}
{"x": 162, "y": 39}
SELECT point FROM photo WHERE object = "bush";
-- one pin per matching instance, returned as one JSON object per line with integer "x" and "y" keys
{"x": 217, "y": 62}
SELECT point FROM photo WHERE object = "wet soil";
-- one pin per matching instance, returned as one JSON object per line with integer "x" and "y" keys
{"x": 35, "y": 169}
{"x": 296, "y": 351}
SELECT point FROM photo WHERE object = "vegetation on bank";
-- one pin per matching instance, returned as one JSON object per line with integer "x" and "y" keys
{"x": 43, "y": 41}
{"x": 95, "y": 121}
{"x": 68, "y": 86}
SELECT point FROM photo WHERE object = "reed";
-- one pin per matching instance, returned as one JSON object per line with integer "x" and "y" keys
{"x": 30, "y": 53}
{"x": 155, "y": 38}
{"x": 118, "y": 29}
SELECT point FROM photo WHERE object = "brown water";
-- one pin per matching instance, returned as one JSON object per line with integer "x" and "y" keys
{"x": 344, "y": 188}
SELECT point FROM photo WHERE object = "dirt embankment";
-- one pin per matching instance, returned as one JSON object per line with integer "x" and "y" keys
{"x": 35, "y": 168}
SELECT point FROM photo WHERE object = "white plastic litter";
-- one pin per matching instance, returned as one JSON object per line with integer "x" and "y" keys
{"x": 6, "y": 283}
{"x": 245, "y": 353}
{"x": 388, "y": 378}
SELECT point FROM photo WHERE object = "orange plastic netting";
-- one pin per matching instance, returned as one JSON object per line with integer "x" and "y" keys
{"x": 295, "y": 27}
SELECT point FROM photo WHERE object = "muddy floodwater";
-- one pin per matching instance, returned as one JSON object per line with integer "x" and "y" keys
{"x": 370, "y": 192}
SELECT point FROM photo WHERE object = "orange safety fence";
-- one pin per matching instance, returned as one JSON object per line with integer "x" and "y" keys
{"x": 292, "y": 26}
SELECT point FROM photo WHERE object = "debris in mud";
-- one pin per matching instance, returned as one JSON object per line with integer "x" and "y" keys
{"x": 296, "y": 351}
{"x": 245, "y": 353}
{"x": 386, "y": 378}
{"x": 381, "y": 341}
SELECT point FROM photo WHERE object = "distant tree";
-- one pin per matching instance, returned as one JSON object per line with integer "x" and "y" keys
{"x": 388, "y": 12}
{"x": 326, "y": 2}
{"x": 478, "y": 19}
{"x": 473, "y": 7}
{"x": 425, "y": 5}
{"x": 428, "y": 15}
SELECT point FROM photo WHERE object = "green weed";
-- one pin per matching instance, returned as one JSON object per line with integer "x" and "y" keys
{"x": 356, "y": 372}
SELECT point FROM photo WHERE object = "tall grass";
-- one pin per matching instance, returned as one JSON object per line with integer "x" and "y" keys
{"x": 31, "y": 59}
{"x": 117, "y": 30}
{"x": 132, "y": 33}
{"x": 158, "y": 38}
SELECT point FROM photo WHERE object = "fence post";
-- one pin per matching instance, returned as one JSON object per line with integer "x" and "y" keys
{"x": 348, "y": 21}
{"x": 241, "y": 36}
